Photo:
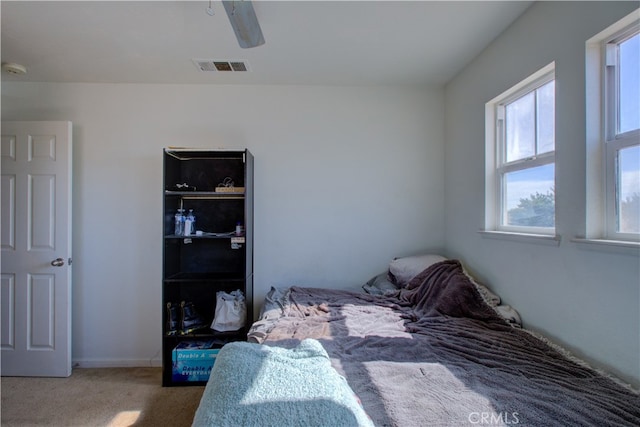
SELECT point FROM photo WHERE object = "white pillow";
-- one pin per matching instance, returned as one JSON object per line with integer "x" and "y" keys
{"x": 402, "y": 270}
{"x": 509, "y": 314}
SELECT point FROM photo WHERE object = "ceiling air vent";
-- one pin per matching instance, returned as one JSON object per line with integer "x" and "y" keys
{"x": 220, "y": 65}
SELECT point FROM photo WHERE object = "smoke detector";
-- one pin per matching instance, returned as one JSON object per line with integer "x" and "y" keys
{"x": 221, "y": 65}
{"x": 13, "y": 68}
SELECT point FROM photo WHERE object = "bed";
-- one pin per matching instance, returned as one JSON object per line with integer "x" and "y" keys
{"x": 429, "y": 349}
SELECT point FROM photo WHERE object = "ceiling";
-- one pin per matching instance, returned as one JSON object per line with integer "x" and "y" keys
{"x": 307, "y": 42}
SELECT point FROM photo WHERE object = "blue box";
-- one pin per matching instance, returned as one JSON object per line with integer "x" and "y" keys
{"x": 193, "y": 360}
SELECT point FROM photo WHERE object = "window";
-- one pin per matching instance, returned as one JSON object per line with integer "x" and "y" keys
{"x": 522, "y": 148}
{"x": 622, "y": 134}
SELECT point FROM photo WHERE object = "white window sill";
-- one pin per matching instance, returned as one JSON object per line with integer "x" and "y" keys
{"x": 546, "y": 239}
{"x": 618, "y": 246}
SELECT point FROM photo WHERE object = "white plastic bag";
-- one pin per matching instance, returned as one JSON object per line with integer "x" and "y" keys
{"x": 231, "y": 311}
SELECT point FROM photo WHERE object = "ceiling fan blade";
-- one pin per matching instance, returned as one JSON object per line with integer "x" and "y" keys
{"x": 244, "y": 22}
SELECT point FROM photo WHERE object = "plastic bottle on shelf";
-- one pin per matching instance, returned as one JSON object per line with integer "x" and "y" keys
{"x": 190, "y": 224}
{"x": 179, "y": 223}
{"x": 239, "y": 228}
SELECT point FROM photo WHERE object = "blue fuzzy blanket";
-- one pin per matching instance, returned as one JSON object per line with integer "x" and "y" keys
{"x": 256, "y": 385}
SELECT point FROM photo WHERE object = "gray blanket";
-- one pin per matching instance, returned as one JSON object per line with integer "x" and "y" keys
{"x": 435, "y": 354}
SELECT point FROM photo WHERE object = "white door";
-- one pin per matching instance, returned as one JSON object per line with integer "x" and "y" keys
{"x": 35, "y": 299}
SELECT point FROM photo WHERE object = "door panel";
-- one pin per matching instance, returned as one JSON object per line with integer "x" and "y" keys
{"x": 8, "y": 207}
{"x": 42, "y": 147}
{"x": 8, "y": 301}
{"x": 41, "y": 219}
{"x": 41, "y": 312}
{"x": 36, "y": 232}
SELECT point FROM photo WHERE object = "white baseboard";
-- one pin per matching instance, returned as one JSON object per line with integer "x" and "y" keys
{"x": 116, "y": 363}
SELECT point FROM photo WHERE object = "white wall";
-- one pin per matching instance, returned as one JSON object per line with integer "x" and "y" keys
{"x": 585, "y": 299}
{"x": 345, "y": 179}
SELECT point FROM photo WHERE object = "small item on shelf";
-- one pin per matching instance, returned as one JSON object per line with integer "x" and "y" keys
{"x": 237, "y": 242}
{"x": 185, "y": 187}
{"x": 234, "y": 190}
{"x": 179, "y": 223}
{"x": 172, "y": 318}
{"x": 228, "y": 186}
{"x": 231, "y": 311}
{"x": 227, "y": 182}
{"x": 190, "y": 224}
{"x": 239, "y": 228}
{"x": 190, "y": 319}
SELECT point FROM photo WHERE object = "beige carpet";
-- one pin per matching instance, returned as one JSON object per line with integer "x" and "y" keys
{"x": 114, "y": 397}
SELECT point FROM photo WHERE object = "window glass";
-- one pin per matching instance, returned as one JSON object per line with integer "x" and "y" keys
{"x": 629, "y": 190}
{"x": 530, "y": 124}
{"x": 546, "y": 117}
{"x": 520, "y": 128}
{"x": 529, "y": 197}
{"x": 629, "y": 98}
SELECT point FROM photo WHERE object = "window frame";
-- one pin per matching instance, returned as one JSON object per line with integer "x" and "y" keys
{"x": 498, "y": 167}
{"x": 612, "y": 140}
